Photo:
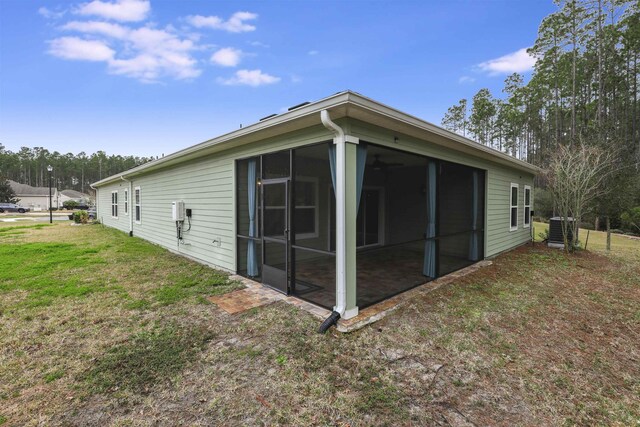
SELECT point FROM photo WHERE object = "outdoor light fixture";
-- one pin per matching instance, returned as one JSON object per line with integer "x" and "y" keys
{"x": 50, "y": 169}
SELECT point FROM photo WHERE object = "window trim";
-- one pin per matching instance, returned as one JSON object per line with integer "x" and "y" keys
{"x": 137, "y": 205}
{"x": 512, "y": 206}
{"x": 527, "y": 216}
{"x": 114, "y": 204}
{"x": 126, "y": 202}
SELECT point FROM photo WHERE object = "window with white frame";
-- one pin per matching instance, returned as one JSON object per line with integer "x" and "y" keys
{"x": 306, "y": 207}
{"x": 114, "y": 204}
{"x": 527, "y": 206}
{"x": 513, "y": 210}
{"x": 306, "y": 215}
{"x": 137, "y": 201}
{"x": 126, "y": 202}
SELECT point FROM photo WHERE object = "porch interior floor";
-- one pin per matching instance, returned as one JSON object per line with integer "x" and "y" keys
{"x": 381, "y": 273}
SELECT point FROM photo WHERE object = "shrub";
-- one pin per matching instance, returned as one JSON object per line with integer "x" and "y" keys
{"x": 631, "y": 219}
{"x": 70, "y": 204}
{"x": 544, "y": 235}
{"x": 81, "y": 217}
{"x": 586, "y": 225}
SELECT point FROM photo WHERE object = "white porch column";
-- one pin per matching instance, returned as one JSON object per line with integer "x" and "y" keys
{"x": 346, "y": 204}
{"x": 346, "y": 212}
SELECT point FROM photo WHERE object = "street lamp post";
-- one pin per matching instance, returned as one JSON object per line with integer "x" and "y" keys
{"x": 50, "y": 168}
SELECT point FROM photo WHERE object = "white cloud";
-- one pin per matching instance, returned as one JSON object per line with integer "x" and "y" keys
{"x": 466, "y": 79}
{"x": 226, "y": 57}
{"x": 77, "y": 49}
{"x": 259, "y": 44}
{"x": 313, "y": 52}
{"x": 120, "y": 10}
{"x": 145, "y": 53}
{"x": 96, "y": 27}
{"x": 235, "y": 24}
{"x": 516, "y": 62}
{"x": 50, "y": 14}
{"x": 250, "y": 78}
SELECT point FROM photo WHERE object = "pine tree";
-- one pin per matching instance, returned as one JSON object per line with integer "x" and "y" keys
{"x": 6, "y": 192}
{"x": 482, "y": 116}
{"x": 455, "y": 119}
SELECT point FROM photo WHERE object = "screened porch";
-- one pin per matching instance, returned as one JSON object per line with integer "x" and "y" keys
{"x": 418, "y": 218}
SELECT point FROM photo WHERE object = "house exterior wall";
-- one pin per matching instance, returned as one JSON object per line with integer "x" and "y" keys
{"x": 207, "y": 186}
{"x": 38, "y": 202}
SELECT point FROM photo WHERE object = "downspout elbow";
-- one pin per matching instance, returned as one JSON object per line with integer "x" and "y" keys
{"x": 329, "y": 322}
{"x": 329, "y": 124}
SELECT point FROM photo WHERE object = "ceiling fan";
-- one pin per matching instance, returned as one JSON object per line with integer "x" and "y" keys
{"x": 380, "y": 165}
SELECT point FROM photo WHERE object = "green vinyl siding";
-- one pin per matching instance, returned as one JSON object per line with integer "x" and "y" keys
{"x": 207, "y": 186}
{"x": 104, "y": 206}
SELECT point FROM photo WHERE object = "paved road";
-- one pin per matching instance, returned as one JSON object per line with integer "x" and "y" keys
{"x": 33, "y": 218}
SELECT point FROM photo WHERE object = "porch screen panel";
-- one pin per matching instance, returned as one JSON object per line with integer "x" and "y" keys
{"x": 312, "y": 199}
{"x": 391, "y": 224}
{"x": 461, "y": 216}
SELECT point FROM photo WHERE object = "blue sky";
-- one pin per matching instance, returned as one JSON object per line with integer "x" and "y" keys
{"x": 151, "y": 77}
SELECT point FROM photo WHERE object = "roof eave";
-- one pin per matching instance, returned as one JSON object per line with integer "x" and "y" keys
{"x": 279, "y": 120}
{"x": 330, "y": 103}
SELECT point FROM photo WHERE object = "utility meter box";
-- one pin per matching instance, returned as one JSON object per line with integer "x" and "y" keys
{"x": 177, "y": 210}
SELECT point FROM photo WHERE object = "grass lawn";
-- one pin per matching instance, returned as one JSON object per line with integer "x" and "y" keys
{"x": 97, "y": 328}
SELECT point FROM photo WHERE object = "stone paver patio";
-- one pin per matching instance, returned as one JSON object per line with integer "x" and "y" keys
{"x": 257, "y": 295}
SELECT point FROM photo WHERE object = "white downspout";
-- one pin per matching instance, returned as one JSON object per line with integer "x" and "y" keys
{"x": 129, "y": 204}
{"x": 341, "y": 246}
{"x": 97, "y": 203}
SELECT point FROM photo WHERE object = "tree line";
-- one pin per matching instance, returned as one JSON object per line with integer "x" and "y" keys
{"x": 70, "y": 171}
{"x": 583, "y": 90}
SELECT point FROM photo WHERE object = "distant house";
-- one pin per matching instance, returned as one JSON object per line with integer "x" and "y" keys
{"x": 77, "y": 196}
{"x": 342, "y": 202}
{"x": 35, "y": 198}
